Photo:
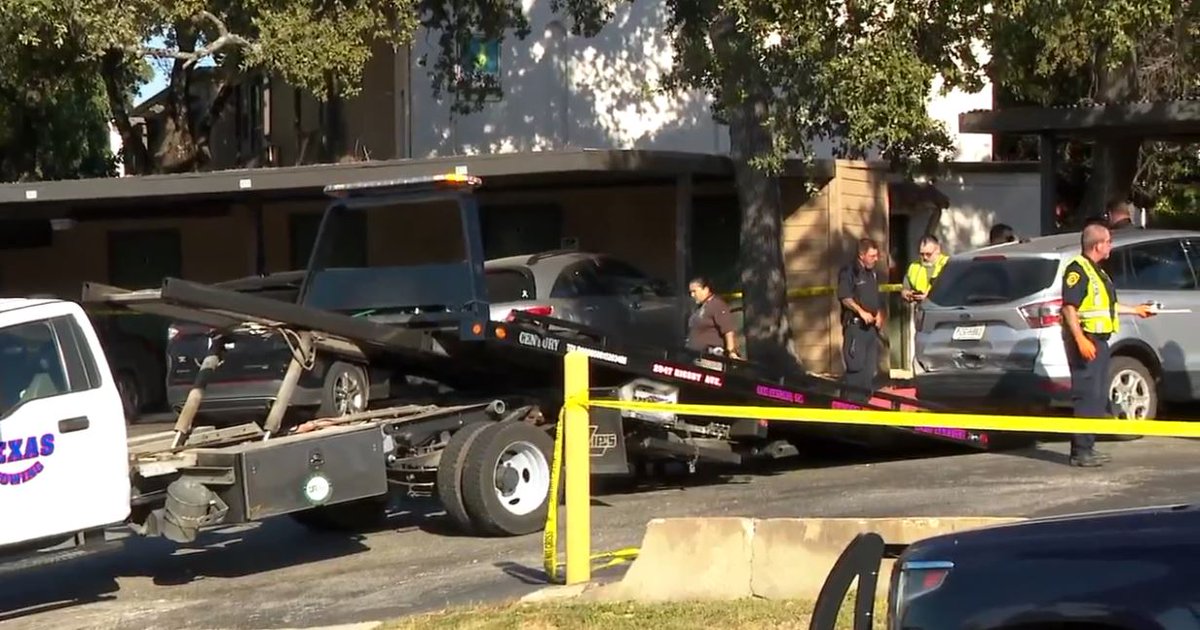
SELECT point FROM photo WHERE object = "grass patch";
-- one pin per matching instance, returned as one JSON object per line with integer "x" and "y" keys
{"x": 745, "y": 614}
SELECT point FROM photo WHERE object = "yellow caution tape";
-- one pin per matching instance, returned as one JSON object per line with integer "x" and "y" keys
{"x": 550, "y": 561}
{"x": 868, "y": 417}
{"x": 878, "y": 417}
{"x": 800, "y": 292}
{"x": 550, "y": 533}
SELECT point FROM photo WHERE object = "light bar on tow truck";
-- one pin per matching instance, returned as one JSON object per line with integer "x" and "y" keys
{"x": 446, "y": 180}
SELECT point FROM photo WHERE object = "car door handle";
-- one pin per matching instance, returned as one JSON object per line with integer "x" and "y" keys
{"x": 73, "y": 424}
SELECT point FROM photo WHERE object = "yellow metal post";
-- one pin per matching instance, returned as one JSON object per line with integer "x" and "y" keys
{"x": 576, "y": 452}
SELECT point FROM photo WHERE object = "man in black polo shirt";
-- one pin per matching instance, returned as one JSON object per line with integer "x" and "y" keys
{"x": 862, "y": 318}
{"x": 1120, "y": 216}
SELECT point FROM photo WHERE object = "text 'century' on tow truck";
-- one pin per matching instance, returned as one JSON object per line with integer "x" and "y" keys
{"x": 472, "y": 401}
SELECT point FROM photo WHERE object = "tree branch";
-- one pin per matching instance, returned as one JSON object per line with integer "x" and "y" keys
{"x": 224, "y": 39}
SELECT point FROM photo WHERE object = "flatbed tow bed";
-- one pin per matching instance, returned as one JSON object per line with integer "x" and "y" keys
{"x": 483, "y": 449}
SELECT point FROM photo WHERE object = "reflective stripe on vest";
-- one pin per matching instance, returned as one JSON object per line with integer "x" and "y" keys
{"x": 918, "y": 276}
{"x": 1096, "y": 314}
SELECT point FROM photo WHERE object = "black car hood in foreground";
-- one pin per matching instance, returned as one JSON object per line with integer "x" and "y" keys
{"x": 1124, "y": 569}
{"x": 1070, "y": 527}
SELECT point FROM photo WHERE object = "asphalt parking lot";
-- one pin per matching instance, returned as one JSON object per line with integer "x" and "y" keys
{"x": 278, "y": 574}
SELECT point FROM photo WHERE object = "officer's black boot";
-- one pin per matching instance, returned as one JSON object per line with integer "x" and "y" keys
{"x": 1083, "y": 452}
{"x": 1088, "y": 459}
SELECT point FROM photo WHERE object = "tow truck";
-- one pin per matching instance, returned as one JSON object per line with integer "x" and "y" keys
{"x": 480, "y": 440}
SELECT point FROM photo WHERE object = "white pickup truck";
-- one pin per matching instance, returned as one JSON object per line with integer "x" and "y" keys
{"x": 68, "y": 468}
{"x": 63, "y": 450}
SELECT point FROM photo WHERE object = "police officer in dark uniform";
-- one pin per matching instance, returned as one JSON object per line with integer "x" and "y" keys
{"x": 710, "y": 327}
{"x": 862, "y": 318}
{"x": 1090, "y": 316}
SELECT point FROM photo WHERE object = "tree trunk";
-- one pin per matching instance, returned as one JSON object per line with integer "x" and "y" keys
{"x": 746, "y": 100}
{"x": 137, "y": 158}
{"x": 763, "y": 275}
{"x": 1114, "y": 159}
{"x": 176, "y": 150}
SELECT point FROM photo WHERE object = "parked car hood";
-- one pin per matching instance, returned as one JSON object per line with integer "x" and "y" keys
{"x": 1126, "y": 527}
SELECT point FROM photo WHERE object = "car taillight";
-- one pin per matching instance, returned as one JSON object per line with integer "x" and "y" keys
{"x": 541, "y": 311}
{"x": 1042, "y": 314}
{"x": 918, "y": 578}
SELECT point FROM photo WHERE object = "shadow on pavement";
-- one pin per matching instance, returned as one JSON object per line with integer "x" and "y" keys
{"x": 228, "y": 552}
{"x": 537, "y": 576}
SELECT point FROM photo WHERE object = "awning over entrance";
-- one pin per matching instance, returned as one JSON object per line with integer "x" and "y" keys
{"x": 1165, "y": 120}
{"x": 1177, "y": 121}
{"x": 540, "y": 166}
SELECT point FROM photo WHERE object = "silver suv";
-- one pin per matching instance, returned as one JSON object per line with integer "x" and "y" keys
{"x": 989, "y": 335}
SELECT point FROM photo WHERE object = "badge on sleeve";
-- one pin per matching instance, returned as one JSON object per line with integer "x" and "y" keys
{"x": 1072, "y": 278}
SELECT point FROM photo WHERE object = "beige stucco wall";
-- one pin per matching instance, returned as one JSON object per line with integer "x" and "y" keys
{"x": 819, "y": 235}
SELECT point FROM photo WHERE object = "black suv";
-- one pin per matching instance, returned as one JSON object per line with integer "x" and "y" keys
{"x": 1120, "y": 570}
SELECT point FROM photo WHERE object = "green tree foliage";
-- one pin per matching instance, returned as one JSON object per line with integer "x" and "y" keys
{"x": 55, "y": 118}
{"x": 1070, "y": 52}
{"x": 313, "y": 45}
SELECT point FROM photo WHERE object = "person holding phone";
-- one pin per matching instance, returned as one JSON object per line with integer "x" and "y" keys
{"x": 918, "y": 280}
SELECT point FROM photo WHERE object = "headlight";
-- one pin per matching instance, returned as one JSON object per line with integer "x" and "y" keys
{"x": 917, "y": 578}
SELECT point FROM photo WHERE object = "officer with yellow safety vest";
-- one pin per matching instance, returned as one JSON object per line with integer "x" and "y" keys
{"x": 1090, "y": 312}
{"x": 921, "y": 273}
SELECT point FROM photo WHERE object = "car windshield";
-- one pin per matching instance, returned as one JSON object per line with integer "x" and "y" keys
{"x": 509, "y": 285}
{"x": 991, "y": 280}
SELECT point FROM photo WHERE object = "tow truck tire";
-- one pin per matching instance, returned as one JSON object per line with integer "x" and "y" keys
{"x": 351, "y": 516}
{"x": 506, "y": 481}
{"x": 450, "y": 474}
{"x": 344, "y": 380}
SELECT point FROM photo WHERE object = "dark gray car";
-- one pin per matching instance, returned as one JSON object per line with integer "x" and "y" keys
{"x": 597, "y": 290}
{"x": 990, "y": 335}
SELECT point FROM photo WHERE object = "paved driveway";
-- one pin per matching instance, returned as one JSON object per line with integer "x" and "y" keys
{"x": 280, "y": 575}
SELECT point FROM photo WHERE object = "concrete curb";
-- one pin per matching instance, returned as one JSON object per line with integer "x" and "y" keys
{"x": 366, "y": 625}
{"x": 733, "y": 558}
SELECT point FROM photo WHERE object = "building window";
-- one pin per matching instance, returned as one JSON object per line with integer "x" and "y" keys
{"x": 716, "y": 240}
{"x": 512, "y": 230}
{"x": 481, "y": 58}
{"x": 480, "y": 66}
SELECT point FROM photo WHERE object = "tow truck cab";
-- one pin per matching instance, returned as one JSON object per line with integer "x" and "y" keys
{"x": 63, "y": 457}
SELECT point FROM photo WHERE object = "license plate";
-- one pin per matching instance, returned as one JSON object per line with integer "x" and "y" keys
{"x": 969, "y": 333}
